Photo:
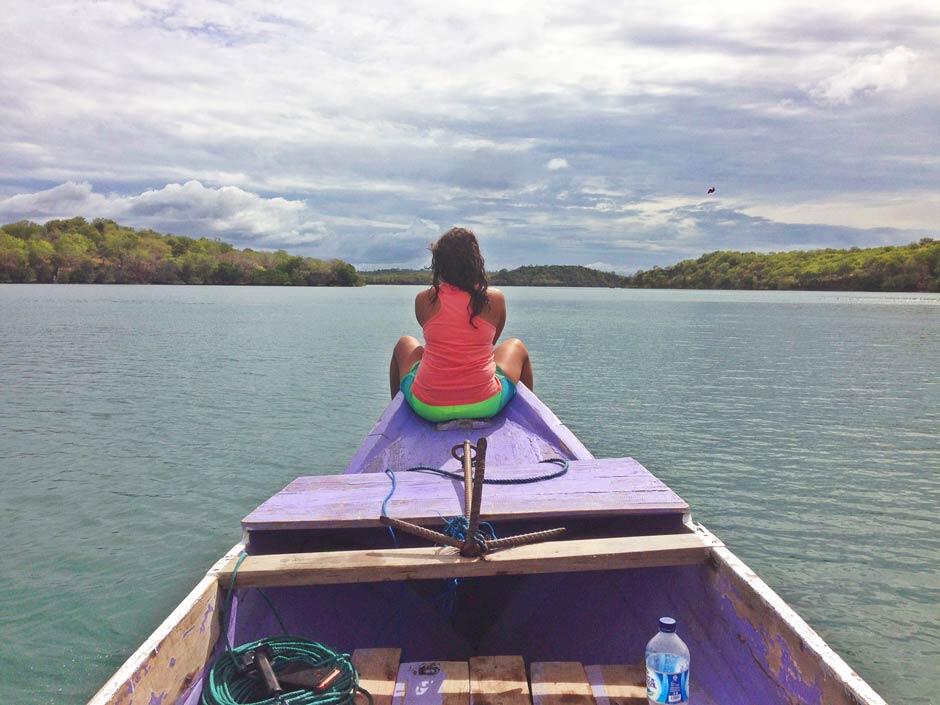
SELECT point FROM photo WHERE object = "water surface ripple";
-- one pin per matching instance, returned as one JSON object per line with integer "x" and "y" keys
{"x": 139, "y": 424}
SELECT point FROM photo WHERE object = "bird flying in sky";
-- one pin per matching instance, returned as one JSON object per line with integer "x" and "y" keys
{"x": 710, "y": 191}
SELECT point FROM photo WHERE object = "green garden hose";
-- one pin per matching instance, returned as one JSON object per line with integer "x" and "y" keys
{"x": 227, "y": 684}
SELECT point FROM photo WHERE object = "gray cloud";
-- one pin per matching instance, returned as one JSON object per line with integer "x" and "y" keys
{"x": 341, "y": 131}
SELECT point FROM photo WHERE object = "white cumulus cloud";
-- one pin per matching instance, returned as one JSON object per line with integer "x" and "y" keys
{"x": 871, "y": 74}
{"x": 190, "y": 207}
{"x": 556, "y": 164}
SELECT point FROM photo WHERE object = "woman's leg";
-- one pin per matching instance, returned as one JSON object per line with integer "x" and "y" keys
{"x": 513, "y": 358}
{"x": 407, "y": 352}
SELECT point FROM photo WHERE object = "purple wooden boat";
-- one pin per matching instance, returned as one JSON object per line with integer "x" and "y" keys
{"x": 563, "y": 622}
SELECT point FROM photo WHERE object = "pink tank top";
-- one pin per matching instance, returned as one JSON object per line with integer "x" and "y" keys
{"x": 458, "y": 366}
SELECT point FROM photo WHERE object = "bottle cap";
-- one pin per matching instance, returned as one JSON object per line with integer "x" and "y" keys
{"x": 667, "y": 624}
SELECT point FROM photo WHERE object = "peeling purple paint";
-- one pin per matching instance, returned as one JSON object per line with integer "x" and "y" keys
{"x": 770, "y": 653}
{"x": 172, "y": 662}
{"x": 793, "y": 681}
{"x": 205, "y": 618}
{"x": 157, "y": 699}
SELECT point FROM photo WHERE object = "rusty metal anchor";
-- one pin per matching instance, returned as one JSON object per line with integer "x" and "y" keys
{"x": 475, "y": 544}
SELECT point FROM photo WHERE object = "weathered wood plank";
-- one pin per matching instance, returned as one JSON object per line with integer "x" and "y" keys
{"x": 498, "y": 680}
{"x": 433, "y": 683}
{"x": 618, "y": 684}
{"x": 377, "y": 565}
{"x": 560, "y": 683}
{"x": 608, "y": 487}
{"x": 378, "y": 672}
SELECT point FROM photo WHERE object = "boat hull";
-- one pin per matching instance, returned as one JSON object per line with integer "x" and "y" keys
{"x": 747, "y": 645}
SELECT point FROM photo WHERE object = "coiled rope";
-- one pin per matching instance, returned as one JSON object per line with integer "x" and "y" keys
{"x": 225, "y": 684}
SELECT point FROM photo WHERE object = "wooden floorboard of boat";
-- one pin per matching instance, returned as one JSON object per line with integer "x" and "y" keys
{"x": 560, "y": 683}
{"x": 618, "y": 684}
{"x": 378, "y": 565}
{"x": 498, "y": 680}
{"x": 378, "y": 671}
{"x": 433, "y": 683}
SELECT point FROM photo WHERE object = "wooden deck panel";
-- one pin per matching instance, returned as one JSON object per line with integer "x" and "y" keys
{"x": 379, "y": 565}
{"x": 433, "y": 683}
{"x": 378, "y": 671}
{"x": 618, "y": 684}
{"x": 498, "y": 680}
{"x": 560, "y": 683}
{"x": 608, "y": 487}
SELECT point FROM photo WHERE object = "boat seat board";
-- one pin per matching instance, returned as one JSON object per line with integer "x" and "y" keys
{"x": 425, "y": 563}
{"x": 607, "y": 487}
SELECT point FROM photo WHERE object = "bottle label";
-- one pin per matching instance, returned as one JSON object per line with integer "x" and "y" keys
{"x": 667, "y": 687}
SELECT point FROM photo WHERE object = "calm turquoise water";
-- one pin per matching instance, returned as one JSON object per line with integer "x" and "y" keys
{"x": 139, "y": 424}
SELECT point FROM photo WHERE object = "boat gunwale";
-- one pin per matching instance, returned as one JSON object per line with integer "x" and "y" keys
{"x": 803, "y": 638}
{"x": 135, "y": 666}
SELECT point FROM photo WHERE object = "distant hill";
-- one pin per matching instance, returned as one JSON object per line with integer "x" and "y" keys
{"x": 76, "y": 251}
{"x": 914, "y": 267}
{"x": 397, "y": 276}
{"x": 556, "y": 275}
{"x": 537, "y": 275}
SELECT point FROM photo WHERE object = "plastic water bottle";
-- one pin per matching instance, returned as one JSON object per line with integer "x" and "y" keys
{"x": 667, "y": 666}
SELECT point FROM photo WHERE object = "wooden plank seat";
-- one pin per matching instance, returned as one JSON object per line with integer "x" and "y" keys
{"x": 380, "y": 565}
{"x": 591, "y": 488}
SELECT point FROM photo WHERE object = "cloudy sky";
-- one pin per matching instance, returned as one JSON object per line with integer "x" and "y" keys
{"x": 561, "y": 132}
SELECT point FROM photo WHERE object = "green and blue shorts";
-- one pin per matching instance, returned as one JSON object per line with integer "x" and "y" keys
{"x": 479, "y": 410}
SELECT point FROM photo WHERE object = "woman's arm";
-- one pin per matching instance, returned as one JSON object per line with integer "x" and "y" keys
{"x": 497, "y": 311}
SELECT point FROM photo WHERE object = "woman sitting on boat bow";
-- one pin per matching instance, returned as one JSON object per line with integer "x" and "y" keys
{"x": 457, "y": 373}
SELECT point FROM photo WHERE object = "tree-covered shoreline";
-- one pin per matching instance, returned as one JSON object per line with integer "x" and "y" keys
{"x": 76, "y": 251}
{"x": 903, "y": 268}
{"x": 101, "y": 251}
{"x": 528, "y": 275}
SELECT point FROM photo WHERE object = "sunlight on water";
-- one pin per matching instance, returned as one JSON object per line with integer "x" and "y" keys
{"x": 139, "y": 424}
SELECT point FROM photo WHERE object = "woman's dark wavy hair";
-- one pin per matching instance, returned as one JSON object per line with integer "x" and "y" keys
{"x": 456, "y": 259}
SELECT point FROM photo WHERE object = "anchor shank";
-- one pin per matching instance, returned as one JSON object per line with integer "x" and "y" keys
{"x": 477, "y": 499}
{"x": 421, "y": 532}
